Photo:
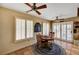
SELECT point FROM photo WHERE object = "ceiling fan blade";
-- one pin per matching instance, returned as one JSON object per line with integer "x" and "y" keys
{"x": 41, "y": 7}
{"x": 38, "y": 12}
{"x": 29, "y": 10}
{"x": 28, "y": 5}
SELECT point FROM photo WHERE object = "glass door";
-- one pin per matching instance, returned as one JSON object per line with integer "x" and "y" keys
{"x": 54, "y": 29}
{"x": 58, "y": 30}
{"x": 69, "y": 31}
{"x": 63, "y": 31}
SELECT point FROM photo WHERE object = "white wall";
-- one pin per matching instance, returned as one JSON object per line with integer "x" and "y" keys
{"x": 7, "y": 30}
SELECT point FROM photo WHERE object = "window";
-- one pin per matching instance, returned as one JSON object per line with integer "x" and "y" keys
{"x": 29, "y": 28}
{"x": 45, "y": 28}
{"x": 24, "y": 29}
{"x": 20, "y": 29}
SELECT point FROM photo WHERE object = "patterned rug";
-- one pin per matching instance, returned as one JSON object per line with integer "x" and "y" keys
{"x": 53, "y": 50}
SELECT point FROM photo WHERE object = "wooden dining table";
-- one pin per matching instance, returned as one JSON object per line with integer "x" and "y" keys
{"x": 47, "y": 39}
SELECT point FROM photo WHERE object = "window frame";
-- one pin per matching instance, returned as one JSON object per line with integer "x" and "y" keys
{"x": 46, "y": 26}
{"x": 25, "y": 30}
{"x": 32, "y": 30}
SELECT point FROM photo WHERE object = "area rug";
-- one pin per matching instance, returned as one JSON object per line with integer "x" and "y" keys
{"x": 55, "y": 49}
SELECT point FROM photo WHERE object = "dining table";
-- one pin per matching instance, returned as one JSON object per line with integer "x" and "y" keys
{"x": 47, "y": 39}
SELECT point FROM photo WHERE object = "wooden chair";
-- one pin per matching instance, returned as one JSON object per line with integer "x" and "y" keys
{"x": 38, "y": 37}
{"x": 40, "y": 42}
{"x": 51, "y": 35}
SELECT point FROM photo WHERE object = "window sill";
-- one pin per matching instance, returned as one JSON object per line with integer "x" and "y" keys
{"x": 23, "y": 40}
{"x": 64, "y": 40}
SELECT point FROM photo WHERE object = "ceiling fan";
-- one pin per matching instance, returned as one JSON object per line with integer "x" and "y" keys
{"x": 35, "y": 8}
{"x": 61, "y": 20}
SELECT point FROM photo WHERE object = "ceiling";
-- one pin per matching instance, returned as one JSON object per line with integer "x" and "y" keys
{"x": 63, "y": 10}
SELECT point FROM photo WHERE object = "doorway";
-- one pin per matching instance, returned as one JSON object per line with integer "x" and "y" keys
{"x": 63, "y": 30}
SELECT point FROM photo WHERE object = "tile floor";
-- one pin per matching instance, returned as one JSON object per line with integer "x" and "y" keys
{"x": 71, "y": 49}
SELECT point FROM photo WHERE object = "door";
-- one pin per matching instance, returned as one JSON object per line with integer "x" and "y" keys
{"x": 54, "y": 29}
{"x": 69, "y": 31}
{"x": 63, "y": 31}
{"x": 58, "y": 30}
